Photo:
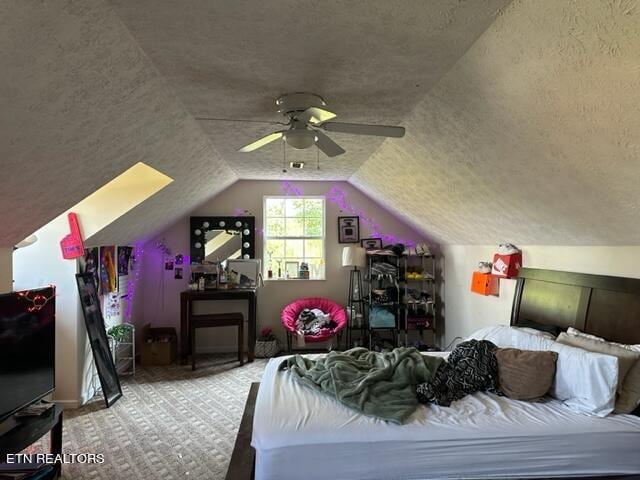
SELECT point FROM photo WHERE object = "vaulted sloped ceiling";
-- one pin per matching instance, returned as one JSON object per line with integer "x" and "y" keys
{"x": 79, "y": 104}
{"x": 372, "y": 60}
{"x": 532, "y": 137}
{"x": 523, "y": 117}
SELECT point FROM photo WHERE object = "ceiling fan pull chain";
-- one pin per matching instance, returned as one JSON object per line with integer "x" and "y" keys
{"x": 284, "y": 157}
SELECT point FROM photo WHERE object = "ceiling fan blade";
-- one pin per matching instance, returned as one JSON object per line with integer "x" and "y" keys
{"x": 316, "y": 115}
{"x": 214, "y": 119}
{"x": 261, "y": 142}
{"x": 362, "y": 129}
{"x": 328, "y": 146}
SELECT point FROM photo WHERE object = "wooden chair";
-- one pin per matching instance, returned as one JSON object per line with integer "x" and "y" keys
{"x": 217, "y": 320}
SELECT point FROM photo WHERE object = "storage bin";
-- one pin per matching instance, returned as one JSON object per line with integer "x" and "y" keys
{"x": 485, "y": 284}
{"x": 159, "y": 345}
{"x": 507, "y": 266}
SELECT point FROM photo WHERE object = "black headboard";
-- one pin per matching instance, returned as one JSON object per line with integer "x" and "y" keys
{"x": 608, "y": 307}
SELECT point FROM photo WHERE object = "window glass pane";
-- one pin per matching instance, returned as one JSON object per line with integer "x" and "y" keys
{"x": 294, "y": 217}
{"x": 313, "y": 227}
{"x": 313, "y": 207}
{"x": 273, "y": 249}
{"x": 313, "y": 248}
{"x": 294, "y": 249}
{"x": 275, "y": 227}
{"x": 295, "y": 227}
{"x": 294, "y": 207}
{"x": 275, "y": 207}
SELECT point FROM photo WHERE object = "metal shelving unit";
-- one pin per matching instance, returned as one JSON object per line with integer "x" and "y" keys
{"x": 415, "y": 304}
{"x": 392, "y": 305}
{"x": 124, "y": 352}
{"x": 420, "y": 295}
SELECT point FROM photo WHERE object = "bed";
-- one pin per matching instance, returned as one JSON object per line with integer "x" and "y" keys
{"x": 298, "y": 433}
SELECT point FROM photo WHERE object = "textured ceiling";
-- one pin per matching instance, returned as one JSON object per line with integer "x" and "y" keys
{"x": 532, "y": 137}
{"x": 79, "y": 104}
{"x": 372, "y": 60}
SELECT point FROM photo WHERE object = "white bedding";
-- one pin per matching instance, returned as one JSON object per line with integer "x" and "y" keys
{"x": 302, "y": 434}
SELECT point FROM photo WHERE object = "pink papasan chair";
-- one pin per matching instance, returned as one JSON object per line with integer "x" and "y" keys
{"x": 291, "y": 312}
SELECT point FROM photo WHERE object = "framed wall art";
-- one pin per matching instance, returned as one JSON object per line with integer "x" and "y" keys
{"x": 371, "y": 243}
{"x": 292, "y": 269}
{"x": 348, "y": 229}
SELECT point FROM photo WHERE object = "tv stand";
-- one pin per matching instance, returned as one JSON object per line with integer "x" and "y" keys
{"x": 20, "y": 432}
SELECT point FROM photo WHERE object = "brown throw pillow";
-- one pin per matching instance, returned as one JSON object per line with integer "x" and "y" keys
{"x": 525, "y": 374}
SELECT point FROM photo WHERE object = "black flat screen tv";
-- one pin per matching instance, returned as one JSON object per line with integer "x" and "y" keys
{"x": 27, "y": 348}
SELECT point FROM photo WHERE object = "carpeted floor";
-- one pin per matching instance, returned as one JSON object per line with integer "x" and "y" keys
{"x": 171, "y": 423}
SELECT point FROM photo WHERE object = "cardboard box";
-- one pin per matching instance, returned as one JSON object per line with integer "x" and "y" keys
{"x": 159, "y": 345}
{"x": 485, "y": 284}
{"x": 507, "y": 266}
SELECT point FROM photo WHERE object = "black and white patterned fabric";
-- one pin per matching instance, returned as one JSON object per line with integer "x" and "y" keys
{"x": 471, "y": 367}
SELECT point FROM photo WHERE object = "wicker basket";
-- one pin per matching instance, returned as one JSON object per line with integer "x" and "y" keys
{"x": 267, "y": 348}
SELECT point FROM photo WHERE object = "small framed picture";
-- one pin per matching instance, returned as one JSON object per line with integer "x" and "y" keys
{"x": 291, "y": 269}
{"x": 348, "y": 229}
{"x": 177, "y": 274}
{"x": 371, "y": 243}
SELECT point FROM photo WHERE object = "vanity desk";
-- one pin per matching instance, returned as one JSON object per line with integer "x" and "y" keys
{"x": 187, "y": 298}
{"x": 222, "y": 239}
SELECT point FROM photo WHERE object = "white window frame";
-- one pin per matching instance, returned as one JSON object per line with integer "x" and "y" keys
{"x": 265, "y": 237}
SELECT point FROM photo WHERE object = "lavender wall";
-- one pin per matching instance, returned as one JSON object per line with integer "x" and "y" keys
{"x": 160, "y": 291}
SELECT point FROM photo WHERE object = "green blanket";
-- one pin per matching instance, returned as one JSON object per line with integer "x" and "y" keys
{"x": 381, "y": 385}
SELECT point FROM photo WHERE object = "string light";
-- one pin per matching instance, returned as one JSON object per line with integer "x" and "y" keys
{"x": 132, "y": 283}
{"x": 38, "y": 301}
{"x": 338, "y": 197}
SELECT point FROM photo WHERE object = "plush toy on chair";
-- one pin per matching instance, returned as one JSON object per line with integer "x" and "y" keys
{"x": 291, "y": 312}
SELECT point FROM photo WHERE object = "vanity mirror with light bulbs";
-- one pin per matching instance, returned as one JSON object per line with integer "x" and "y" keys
{"x": 217, "y": 239}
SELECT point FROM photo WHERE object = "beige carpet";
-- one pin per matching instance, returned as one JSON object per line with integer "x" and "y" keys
{"x": 171, "y": 423}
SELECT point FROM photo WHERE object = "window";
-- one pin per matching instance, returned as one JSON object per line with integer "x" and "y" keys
{"x": 293, "y": 233}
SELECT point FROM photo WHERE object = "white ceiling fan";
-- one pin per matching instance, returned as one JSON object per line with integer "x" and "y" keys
{"x": 306, "y": 116}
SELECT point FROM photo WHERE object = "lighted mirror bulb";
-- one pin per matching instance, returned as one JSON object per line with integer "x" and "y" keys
{"x": 197, "y": 231}
{"x": 198, "y": 245}
{"x": 245, "y": 244}
{"x": 205, "y": 225}
{"x": 222, "y": 224}
{"x": 238, "y": 224}
{"x": 245, "y": 256}
{"x": 246, "y": 231}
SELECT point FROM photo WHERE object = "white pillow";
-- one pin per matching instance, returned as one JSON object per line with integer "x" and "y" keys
{"x": 585, "y": 381}
{"x": 537, "y": 332}
{"x": 629, "y": 390}
{"x": 515, "y": 337}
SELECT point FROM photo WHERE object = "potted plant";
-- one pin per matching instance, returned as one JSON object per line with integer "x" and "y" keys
{"x": 121, "y": 333}
{"x": 267, "y": 344}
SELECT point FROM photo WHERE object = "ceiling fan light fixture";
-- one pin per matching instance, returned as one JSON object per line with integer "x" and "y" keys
{"x": 300, "y": 139}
